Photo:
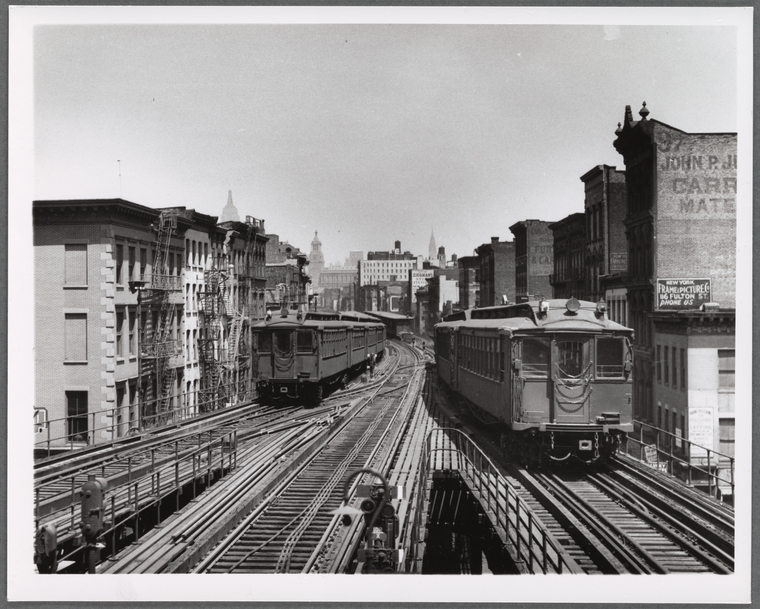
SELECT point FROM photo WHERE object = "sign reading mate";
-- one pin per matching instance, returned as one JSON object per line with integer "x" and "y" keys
{"x": 678, "y": 294}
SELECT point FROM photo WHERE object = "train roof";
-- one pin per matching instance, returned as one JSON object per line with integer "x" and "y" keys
{"x": 316, "y": 319}
{"x": 567, "y": 315}
{"x": 387, "y": 315}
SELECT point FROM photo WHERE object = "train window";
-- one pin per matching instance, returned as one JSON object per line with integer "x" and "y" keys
{"x": 265, "y": 342}
{"x": 442, "y": 345}
{"x": 572, "y": 357}
{"x": 304, "y": 342}
{"x": 282, "y": 341}
{"x": 535, "y": 357}
{"x": 610, "y": 355}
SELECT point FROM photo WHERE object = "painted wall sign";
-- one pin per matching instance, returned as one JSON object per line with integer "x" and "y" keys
{"x": 682, "y": 294}
{"x": 701, "y": 430}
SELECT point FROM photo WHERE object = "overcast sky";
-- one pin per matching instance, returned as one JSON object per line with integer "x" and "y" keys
{"x": 365, "y": 133}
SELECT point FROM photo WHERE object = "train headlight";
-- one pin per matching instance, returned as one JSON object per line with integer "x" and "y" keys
{"x": 573, "y": 305}
{"x": 601, "y": 308}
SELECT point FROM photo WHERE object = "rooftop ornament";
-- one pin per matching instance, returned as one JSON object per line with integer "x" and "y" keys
{"x": 644, "y": 112}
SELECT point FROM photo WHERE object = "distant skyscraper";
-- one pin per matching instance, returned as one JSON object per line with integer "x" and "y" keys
{"x": 316, "y": 260}
{"x": 230, "y": 212}
{"x": 432, "y": 249}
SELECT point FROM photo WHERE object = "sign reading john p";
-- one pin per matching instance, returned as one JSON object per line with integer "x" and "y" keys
{"x": 678, "y": 294}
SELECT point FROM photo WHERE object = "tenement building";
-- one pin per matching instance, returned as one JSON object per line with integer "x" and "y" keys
{"x": 496, "y": 272}
{"x": 606, "y": 258}
{"x": 681, "y": 229}
{"x": 108, "y": 318}
{"x": 469, "y": 282}
{"x": 568, "y": 278}
{"x": 141, "y": 316}
{"x": 534, "y": 259}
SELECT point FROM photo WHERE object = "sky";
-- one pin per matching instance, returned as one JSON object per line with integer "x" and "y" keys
{"x": 369, "y": 133}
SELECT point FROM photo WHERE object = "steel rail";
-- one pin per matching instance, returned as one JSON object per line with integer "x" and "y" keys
{"x": 669, "y": 525}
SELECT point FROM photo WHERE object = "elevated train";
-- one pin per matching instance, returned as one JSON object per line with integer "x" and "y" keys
{"x": 553, "y": 375}
{"x": 299, "y": 354}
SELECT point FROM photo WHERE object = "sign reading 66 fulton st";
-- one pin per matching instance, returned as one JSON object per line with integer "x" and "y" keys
{"x": 680, "y": 294}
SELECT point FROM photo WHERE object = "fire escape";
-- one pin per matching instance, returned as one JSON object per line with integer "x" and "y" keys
{"x": 160, "y": 344}
{"x": 214, "y": 387}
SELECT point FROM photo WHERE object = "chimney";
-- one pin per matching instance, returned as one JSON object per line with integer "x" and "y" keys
{"x": 494, "y": 240}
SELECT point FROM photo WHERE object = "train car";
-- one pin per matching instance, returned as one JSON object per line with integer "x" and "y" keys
{"x": 299, "y": 354}
{"x": 554, "y": 375}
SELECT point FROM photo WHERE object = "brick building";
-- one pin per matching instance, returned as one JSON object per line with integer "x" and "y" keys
{"x": 244, "y": 303}
{"x": 534, "y": 259}
{"x": 605, "y": 206}
{"x": 443, "y": 295}
{"x": 469, "y": 282}
{"x": 338, "y": 288}
{"x": 387, "y": 266}
{"x": 496, "y": 262}
{"x": 569, "y": 277}
{"x": 681, "y": 229}
{"x": 125, "y": 323}
{"x": 90, "y": 327}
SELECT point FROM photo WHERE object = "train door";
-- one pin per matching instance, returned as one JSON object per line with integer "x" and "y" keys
{"x": 531, "y": 379}
{"x": 571, "y": 373}
{"x": 283, "y": 352}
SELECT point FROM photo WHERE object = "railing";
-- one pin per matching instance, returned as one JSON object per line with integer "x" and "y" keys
{"x": 147, "y": 490}
{"x": 661, "y": 450}
{"x": 163, "y": 282}
{"x": 82, "y": 430}
{"x": 533, "y": 545}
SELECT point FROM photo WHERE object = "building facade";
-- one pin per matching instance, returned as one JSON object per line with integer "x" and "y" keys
{"x": 605, "y": 206}
{"x": 469, "y": 282}
{"x": 681, "y": 231}
{"x": 93, "y": 320}
{"x": 569, "y": 277}
{"x": 497, "y": 272}
{"x": 534, "y": 259}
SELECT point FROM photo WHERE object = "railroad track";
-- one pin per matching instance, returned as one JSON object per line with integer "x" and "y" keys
{"x": 295, "y": 507}
{"x": 151, "y": 472}
{"x": 616, "y": 530}
{"x": 283, "y": 536}
{"x": 620, "y": 519}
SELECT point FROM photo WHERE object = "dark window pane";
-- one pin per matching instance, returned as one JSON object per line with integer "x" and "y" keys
{"x": 609, "y": 357}
{"x": 304, "y": 342}
{"x": 573, "y": 358}
{"x": 535, "y": 357}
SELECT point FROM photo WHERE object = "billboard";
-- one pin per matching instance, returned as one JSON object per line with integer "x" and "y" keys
{"x": 682, "y": 294}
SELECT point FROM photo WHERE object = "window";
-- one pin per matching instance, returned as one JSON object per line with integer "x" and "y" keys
{"x": 666, "y": 374}
{"x": 609, "y": 357}
{"x": 535, "y": 357}
{"x": 76, "y": 415}
{"x": 119, "y": 262}
{"x": 675, "y": 375}
{"x": 132, "y": 333}
{"x": 119, "y": 334}
{"x": 572, "y": 358}
{"x": 304, "y": 342}
{"x": 131, "y": 264}
{"x": 659, "y": 364}
{"x": 683, "y": 370}
{"x": 75, "y": 271}
{"x": 282, "y": 342}
{"x": 726, "y": 369}
{"x": 143, "y": 262}
{"x": 75, "y": 337}
{"x": 727, "y": 433}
